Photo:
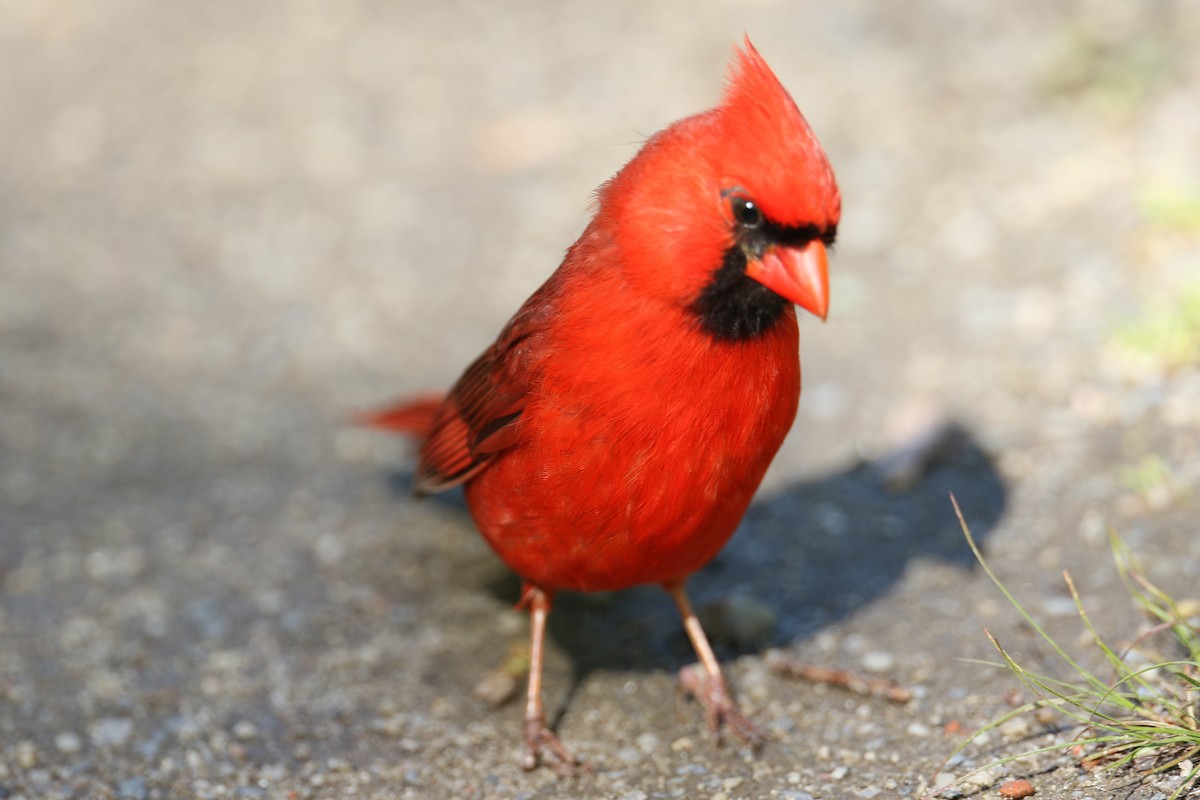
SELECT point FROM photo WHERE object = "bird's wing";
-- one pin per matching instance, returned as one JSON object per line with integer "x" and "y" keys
{"x": 480, "y": 416}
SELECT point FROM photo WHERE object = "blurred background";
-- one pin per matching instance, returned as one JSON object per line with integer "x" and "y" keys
{"x": 225, "y": 227}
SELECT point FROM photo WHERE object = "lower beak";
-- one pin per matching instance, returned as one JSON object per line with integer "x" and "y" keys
{"x": 798, "y": 274}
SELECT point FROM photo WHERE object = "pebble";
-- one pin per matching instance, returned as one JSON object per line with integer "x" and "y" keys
{"x": 27, "y": 754}
{"x": 115, "y": 566}
{"x": 1016, "y": 728}
{"x": 943, "y": 779}
{"x": 1017, "y": 789}
{"x": 878, "y": 661}
{"x": 646, "y": 742}
{"x": 917, "y": 729}
{"x": 496, "y": 687}
{"x": 111, "y": 731}
{"x": 245, "y": 729}
{"x": 984, "y": 777}
{"x": 393, "y": 725}
{"x": 133, "y": 789}
{"x": 629, "y": 755}
{"x": 782, "y": 724}
{"x": 794, "y": 794}
{"x": 68, "y": 742}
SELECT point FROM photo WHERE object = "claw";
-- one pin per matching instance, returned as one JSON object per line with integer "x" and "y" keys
{"x": 719, "y": 708}
{"x": 539, "y": 741}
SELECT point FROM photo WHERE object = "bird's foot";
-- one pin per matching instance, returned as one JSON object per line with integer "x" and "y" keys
{"x": 719, "y": 708}
{"x": 539, "y": 740}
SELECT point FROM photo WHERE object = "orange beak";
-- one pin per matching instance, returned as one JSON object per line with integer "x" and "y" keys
{"x": 798, "y": 274}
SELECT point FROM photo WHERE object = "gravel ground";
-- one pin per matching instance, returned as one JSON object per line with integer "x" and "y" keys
{"x": 225, "y": 226}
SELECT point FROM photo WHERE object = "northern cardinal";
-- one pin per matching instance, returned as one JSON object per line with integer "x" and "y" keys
{"x": 615, "y": 432}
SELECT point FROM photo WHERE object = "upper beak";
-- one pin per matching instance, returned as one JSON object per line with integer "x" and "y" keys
{"x": 798, "y": 274}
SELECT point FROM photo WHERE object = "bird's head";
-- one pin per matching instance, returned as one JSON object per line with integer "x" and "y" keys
{"x": 728, "y": 213}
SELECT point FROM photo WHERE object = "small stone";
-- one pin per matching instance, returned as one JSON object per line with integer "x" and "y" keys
{"x": 794, "y": 794}
{"x": 646, "y": 742}
{"x": 1017, "y": 789}
{"x": 917, "y": 729}
{"x": 111, "y": 731}
{"x": 393, "y": 725}
{"x": 27, "y": 754}
{"x": 682, "y": 743}
{"x": 68, "y": 742}
{"x": 1046, "y": 716}
{"x": 782, "y": 724}
{"x": 943, "y": 779}
{"x": 245, "y": 729}
{"x": 496, "y": 688}
{"x": 984, "y": 778}
{"x": 629, "y": 755}
{"x": 1016, "y": 728}
{"x": 729, "y": 784}
{"x": 878, "y": 662}
{"x": 691, "y": 769}
{"x": 273, "y": 773}
{"x": 839, "y": 772}
{"x": 133, "y": 789}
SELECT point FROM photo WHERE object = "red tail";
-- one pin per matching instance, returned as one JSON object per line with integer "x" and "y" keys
{"x": 413, "y": 417}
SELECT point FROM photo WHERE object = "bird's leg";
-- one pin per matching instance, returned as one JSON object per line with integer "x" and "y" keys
{"x": 538, "y": 736}
{"x": 706, "y": 682}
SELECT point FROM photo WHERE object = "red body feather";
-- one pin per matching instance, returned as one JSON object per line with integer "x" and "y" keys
{"x": 637, "y": 453}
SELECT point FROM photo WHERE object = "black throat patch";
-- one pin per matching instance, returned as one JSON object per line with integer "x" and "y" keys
{"x": 733, "y": 307}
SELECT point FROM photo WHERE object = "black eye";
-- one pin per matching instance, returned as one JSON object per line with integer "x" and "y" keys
{"x": 746, "y": 212}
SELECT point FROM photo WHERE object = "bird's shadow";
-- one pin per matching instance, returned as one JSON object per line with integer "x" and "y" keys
{"x": 814, "y": 551}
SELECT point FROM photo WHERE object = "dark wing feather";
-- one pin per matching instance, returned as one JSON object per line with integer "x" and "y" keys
{"x": 481, "y": 415}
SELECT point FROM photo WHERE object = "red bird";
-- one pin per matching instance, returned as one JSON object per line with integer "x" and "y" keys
{"x": 614, "y": 433}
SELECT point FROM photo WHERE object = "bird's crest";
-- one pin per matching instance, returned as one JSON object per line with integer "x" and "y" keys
{"x": 765, "y": 136}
